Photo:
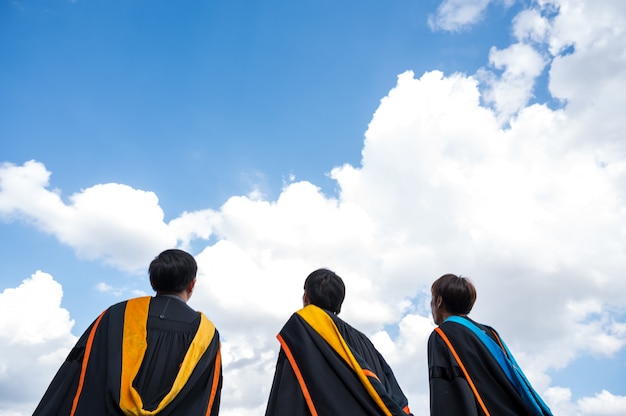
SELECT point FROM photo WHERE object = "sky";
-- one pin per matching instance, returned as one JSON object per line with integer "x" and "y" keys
{"x": 390, "y": 141}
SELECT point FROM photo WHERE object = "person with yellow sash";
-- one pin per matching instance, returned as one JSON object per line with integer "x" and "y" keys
{"x": 325, "y": 366}
{"x": 144, "y": 356}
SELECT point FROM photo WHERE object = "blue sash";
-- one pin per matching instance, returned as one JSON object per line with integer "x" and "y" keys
{"x": 510, "y": 367}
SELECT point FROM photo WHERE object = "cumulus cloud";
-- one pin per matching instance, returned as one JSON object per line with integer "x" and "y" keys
{"x": 510, "y": 91}
{"x": 603, "y": 404}
{"x": 128, "y": 222}
{"x": 531, "y": 26}
{"x": 35, "y": 337}
{"x": 533, "y": 212}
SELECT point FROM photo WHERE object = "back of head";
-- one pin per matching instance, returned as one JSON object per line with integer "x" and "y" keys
{"x": 172, "y": 270}
{"x": 457, "y": 292}
{"x": 325, "y": 289}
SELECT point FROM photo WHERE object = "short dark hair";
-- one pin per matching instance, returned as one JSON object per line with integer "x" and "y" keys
{"x": 172, "y": 271}
{"x": 325, "y": 289}
{"x": 458, "y": 293}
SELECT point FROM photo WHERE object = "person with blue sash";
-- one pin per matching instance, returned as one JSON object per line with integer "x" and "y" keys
{"x": 471, "y": 370}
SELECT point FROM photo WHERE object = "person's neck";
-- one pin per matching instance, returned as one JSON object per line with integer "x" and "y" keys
{"x": 447, "y": 315}
{"x": 180, "y": 295}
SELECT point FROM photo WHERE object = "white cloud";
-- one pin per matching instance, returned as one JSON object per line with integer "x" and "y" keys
{"x": 128, "y": 222}
{"x": 520, "y": 64}
{"x": 530, "y": 26}
{"x": 583, "y": 24}
{"x": 193, "y": 225}
{"x": 40, "y": 293}
{"x": 459, "y": 15}
{"x": 454, "y": 15}
{"x": 34, "y": 338}
{"x": 590, "y": 78}
{"x": 119, "y": 291}
{"x": 603, "y": 404}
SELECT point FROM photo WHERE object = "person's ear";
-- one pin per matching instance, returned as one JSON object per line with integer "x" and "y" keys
{"x": 439, "y": 301}
{"x": 305, "y": 299}
{"x": 191, "y": 285}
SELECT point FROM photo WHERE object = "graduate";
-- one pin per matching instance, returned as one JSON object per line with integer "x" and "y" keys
{"x": 326, "y": 367}
{"x": 145, "y": 356}
{"x": 471, "y": 370}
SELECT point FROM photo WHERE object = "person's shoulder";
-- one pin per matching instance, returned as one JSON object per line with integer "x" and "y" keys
{"x": 340, "y": 323}
{"x": 468, "y": 332}
{"x": 433, "y": 334}
{"x": 453, "y": 328}
{"x": 116, "y": 306}
{"x": 452, "y": 322}
{"x": 122, "y": 303}
{"x": 345, "y": 328}
{"x": 482, "y": 326}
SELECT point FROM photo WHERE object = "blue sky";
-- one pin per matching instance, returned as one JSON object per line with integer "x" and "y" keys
{"x": 391, "y": 141}
{"x": 202, "y": 102}
{"x": 271, "y": 83}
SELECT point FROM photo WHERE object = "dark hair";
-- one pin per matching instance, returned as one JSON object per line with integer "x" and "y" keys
{"x": 457, "y": 292}
{"x": 325, "y": 289}
{"x": 172, "y": 271}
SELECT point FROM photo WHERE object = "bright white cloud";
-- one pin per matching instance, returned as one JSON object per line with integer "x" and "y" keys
{"x": 128, "y": 222}
{"x": 533, "y": 213}
{"x": 530, "y": 26}
{"x": 34, "y": 339}
{"x": 603, "y": 404}
{"x": 36, "y": 294}
{"x": 520, "y": 64}
{"x": 590, "y": 78}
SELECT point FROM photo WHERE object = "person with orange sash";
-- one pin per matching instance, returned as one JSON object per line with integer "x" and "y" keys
{"x": 144, "y": 356}
{"x": 325, "y": 366}
{"x": 471, "y": 370}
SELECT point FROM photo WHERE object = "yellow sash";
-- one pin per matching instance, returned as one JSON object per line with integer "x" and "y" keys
{"x": 325, "y": 326}
{"x": 134, "y": 348}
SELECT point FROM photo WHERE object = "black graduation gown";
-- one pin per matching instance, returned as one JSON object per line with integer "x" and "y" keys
{"x": 326, "y": 367}
{"x": 93, "y": 381}
{"x": 450, "y": 394}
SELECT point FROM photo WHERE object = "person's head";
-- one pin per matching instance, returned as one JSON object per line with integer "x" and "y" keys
{"x": 325, "y": 289}
{"x": 172, "y": 271}
{"x": 451, "y": 295}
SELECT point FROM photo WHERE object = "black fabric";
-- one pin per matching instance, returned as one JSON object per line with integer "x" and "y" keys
{"x": 166, "y": 337}
{"x": 450, "y": 394}
{"x": 334, "y": 387}
{"x": 286, "y": 397}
